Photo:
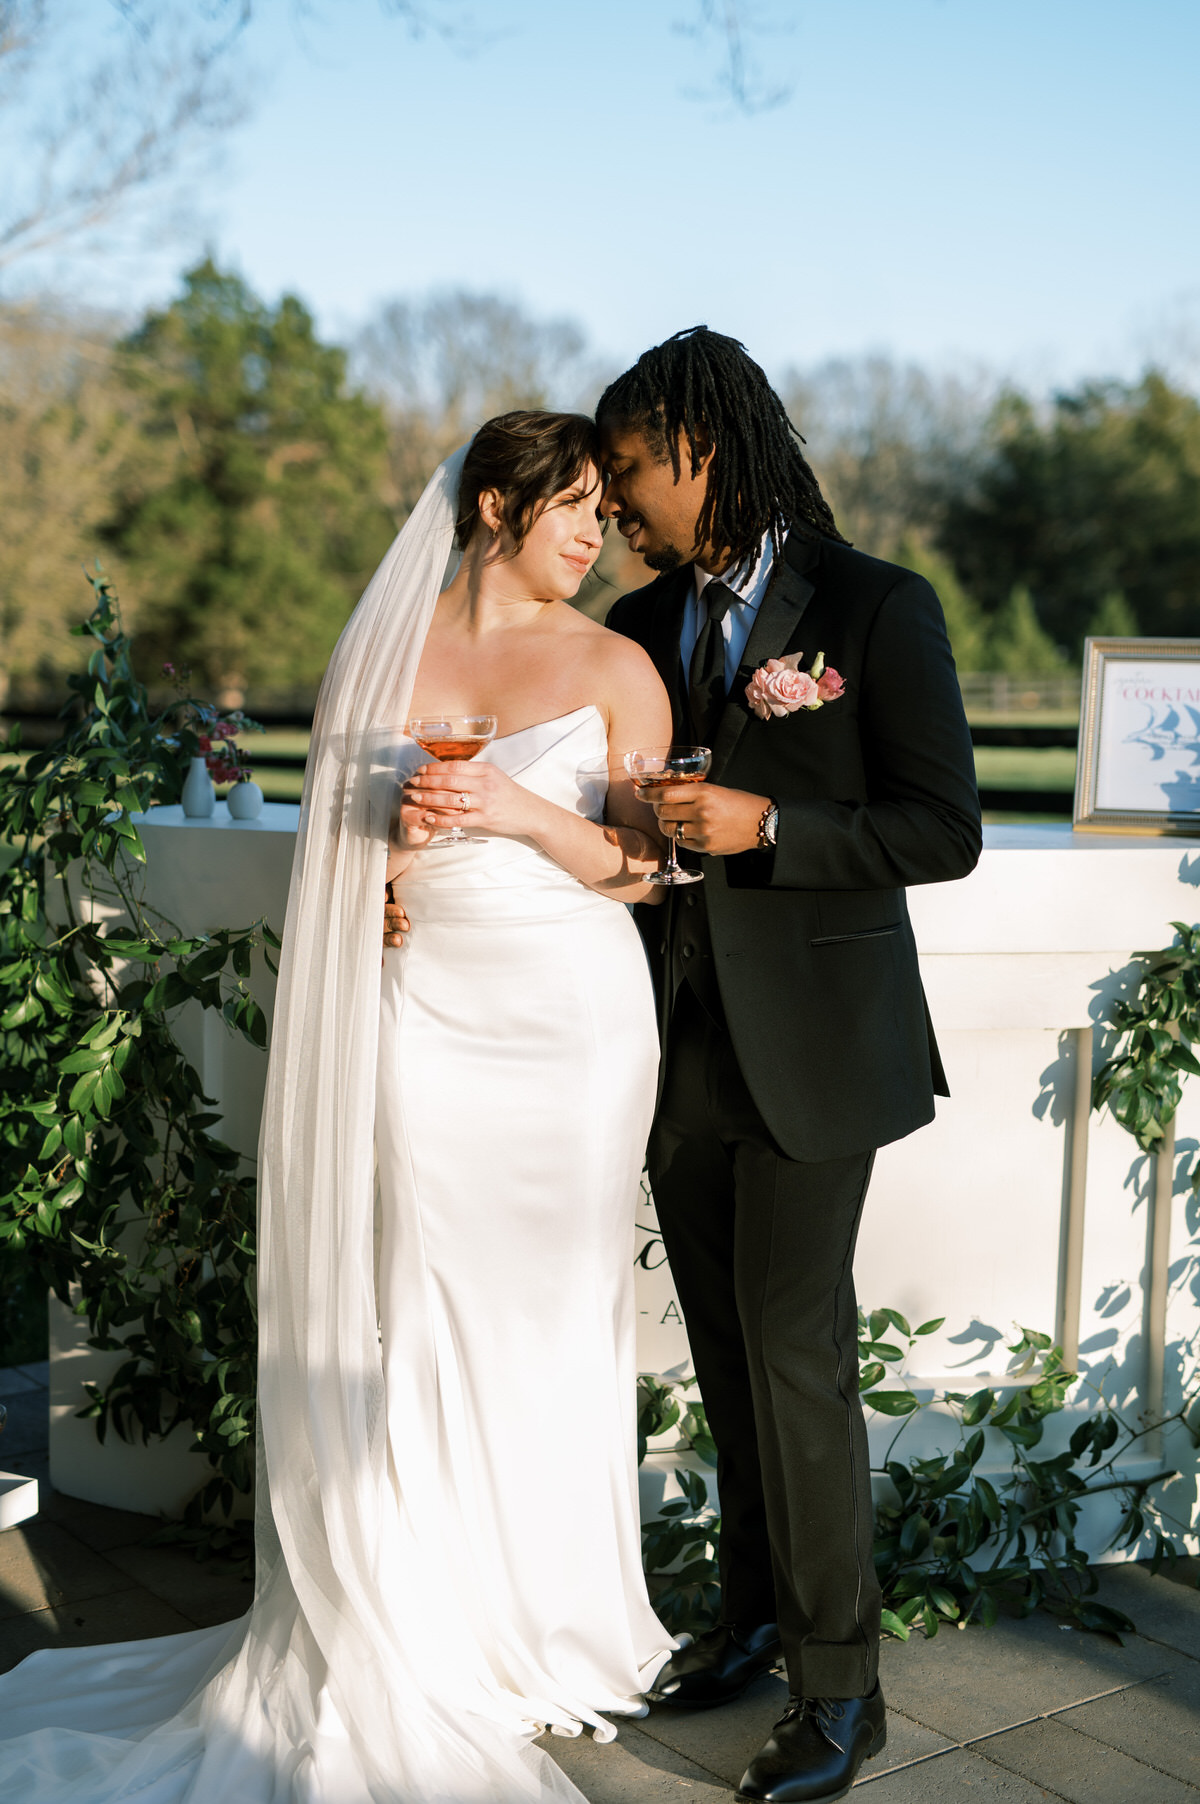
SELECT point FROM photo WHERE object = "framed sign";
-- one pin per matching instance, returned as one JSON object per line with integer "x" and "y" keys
{"x": 1139, "y": 737}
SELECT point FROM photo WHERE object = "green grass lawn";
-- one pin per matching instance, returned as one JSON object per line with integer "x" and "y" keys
{"x": 1025, "y": 767}
{"x": 996, "y": 767}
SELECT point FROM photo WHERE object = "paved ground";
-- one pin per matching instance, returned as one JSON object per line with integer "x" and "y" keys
{"x": 1016, "y": 1713}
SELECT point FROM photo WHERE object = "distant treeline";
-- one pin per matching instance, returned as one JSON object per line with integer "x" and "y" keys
{"x": 239, "y": 479}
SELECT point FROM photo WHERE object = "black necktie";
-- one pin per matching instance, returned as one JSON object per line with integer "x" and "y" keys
{"x": 706, "y": 676}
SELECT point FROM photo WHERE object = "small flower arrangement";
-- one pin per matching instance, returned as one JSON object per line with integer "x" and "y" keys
{"x": 780, "y": 687}
{"x": 204, "y": 731}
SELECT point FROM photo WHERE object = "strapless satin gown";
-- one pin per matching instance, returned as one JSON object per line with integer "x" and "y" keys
{"x": 518, "y": 1055}
{"x": 516, "y": 1081}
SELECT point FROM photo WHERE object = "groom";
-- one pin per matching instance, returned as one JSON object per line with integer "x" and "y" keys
{"x": 796, "y": 1038}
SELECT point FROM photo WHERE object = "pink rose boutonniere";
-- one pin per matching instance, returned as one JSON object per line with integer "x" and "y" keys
{"x": 780, "y": 687}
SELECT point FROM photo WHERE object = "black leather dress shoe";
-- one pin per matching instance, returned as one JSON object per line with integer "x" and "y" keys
{"x": 816, "y": 1750}
{"x": 717, "y": 1668}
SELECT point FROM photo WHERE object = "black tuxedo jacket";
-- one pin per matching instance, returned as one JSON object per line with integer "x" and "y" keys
{"x": 814, "y": 954}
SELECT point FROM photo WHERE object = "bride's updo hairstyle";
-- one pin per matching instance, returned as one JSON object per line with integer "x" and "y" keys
{"x": 527, "y": 458}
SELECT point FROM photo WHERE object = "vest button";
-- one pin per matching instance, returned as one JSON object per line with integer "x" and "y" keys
{"x": 687, "y": 952}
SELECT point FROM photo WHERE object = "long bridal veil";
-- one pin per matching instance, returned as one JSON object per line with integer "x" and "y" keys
{"x": 353, "y": 1678}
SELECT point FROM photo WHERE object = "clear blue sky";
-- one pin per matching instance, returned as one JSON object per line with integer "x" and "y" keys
{"x": 1012, "y": 182}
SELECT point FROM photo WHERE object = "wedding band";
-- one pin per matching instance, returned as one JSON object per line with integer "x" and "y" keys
{"x": 464, "y": 801}
{"x": 680, "y": 831}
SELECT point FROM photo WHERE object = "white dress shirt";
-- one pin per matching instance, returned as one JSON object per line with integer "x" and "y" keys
{"x": 749, "y": 591}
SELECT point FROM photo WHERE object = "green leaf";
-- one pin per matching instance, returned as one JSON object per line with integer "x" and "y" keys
{"x": 931, "y": 1327}
{"x": 977, "y": 1407}
{"x": 254, "y": 1023}
{"x": 82, "y": 1097}
{"x": 22, "y": 1012}
{"x": 103, "y": 1033}
{"x": 944, "y": 1601}
{"x": 893, "y": 1403}
{"x": 82, "y": 1061}
{"x": 894, "y": 1625}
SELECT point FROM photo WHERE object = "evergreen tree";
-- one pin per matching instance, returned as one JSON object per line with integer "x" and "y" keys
{"x": 965, "y": 622}
{"x": 1113, "y": 619}
{"x": 1100, "y": 494}
{"x": 1018, "y": 643}
{"x": 253, "y": 512}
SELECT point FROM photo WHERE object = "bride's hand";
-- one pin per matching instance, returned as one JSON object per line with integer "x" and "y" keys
{"x": 434, "y": 799}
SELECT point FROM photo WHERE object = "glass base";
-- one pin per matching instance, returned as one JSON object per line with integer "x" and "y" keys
{"x": 456, "y": 838}
{"x": 679, "y": 876}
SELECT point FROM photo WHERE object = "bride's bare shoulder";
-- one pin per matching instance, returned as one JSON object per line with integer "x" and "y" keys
{"x": 620, "y": 661}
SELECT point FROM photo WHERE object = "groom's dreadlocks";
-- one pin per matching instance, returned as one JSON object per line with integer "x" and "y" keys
{"x": 709, "y": 388}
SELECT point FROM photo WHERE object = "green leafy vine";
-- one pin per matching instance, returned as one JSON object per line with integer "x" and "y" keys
{"x": 114, "y": 1189}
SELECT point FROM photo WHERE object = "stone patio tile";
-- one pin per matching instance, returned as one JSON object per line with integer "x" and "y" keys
{"x": 27, "y": 1426}
{"x": 205, "y": 1593}
{"x": 950, "y": 1778}
{"x": 13, "y": 1381}
{"x": 1080, "y": 1769}
{"x": 634, "y": 1769}
{"x": 970, "y": 1682}
{"x": 1169, "y": 1613}
{"x": 725, "y": 1740}
{"x": 122, "y": 1616}
{"x": 38, "y": 1371}
{"x": 95, "y": 1524}
{"x": 1158, "y": 1723}
{"x": 1185, "y": 1571}
{"x": 41, "y": 1565}
{"x": 31, "y": 1465}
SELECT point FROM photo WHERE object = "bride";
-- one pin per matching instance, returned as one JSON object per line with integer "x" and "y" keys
{"x": 448, "y": 1538}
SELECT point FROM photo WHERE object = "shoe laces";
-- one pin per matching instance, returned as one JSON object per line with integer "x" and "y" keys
{"x": 824, "y": 1711}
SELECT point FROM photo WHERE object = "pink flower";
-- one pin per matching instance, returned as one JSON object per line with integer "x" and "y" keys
{"x": 168, "y": 670}
{"x": 778, "y": 688}
{"x": 204, "y": 742}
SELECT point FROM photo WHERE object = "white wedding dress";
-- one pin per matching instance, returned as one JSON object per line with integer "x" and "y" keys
{"x": 504, "y": 1592}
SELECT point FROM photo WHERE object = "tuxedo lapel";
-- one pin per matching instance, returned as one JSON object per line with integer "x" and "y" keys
{"x": 788, "y": 595}
{"x": 662, "y": 642}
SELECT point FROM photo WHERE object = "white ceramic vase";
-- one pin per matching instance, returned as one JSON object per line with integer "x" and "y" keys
{"x": 199, "y": 797}
{"x": 245, "y": 801}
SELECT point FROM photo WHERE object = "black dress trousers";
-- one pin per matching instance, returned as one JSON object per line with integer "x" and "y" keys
{"x": 761, "y": 1249}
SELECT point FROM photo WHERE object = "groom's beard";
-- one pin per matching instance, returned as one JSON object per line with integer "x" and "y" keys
{"x": 667, "y": 557}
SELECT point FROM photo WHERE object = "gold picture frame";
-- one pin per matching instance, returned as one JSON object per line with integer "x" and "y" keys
{"x": 1139, "y": 737}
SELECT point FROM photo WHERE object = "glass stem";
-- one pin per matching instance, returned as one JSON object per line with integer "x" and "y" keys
{"x": 672, "y": 863}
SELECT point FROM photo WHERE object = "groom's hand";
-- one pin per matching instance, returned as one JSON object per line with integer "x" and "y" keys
{"x": 395, "y": 921}
{"x": 707, "y": 818}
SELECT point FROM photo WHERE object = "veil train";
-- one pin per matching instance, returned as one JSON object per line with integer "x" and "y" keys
{"x": 352, "y": 1679}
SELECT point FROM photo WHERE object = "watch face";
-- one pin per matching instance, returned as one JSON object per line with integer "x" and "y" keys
{"x": 771, "y": 826}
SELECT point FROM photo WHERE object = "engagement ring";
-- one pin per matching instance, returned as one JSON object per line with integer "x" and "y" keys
{"x": 464, "y": 801}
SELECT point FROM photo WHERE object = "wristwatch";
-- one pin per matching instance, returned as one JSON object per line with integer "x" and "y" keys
{"x": 768, "y": 827}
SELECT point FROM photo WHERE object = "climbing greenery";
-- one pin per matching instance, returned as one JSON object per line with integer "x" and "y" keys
{"x": 114, "y": 1188}
{"x": 953, "y": 1544}
{"x": 1142, "y": 1081}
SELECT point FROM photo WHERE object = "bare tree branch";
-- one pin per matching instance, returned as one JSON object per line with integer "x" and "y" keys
{"x": 732, "y": 23}
{"x": 118, "y": 132}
